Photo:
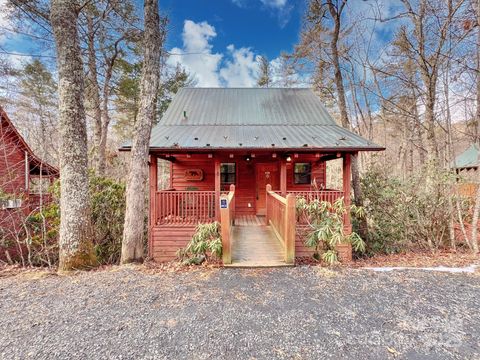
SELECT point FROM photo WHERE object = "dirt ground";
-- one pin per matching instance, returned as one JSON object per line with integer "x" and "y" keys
{"x": 304, "y": 312}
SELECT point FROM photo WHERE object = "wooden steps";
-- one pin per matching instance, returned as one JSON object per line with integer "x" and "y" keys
{"x": 255, "y": 245}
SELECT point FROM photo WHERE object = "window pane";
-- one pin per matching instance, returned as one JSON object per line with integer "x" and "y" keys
{"x": 302, "y": 173}
{"x": 227, "y": 173}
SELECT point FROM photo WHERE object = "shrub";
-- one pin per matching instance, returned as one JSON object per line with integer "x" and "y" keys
{"x": 326, "y": 222}
{"x": 407, "y": 213}
{"x": 107, "y": 204}
{"x": 205, "y": 242}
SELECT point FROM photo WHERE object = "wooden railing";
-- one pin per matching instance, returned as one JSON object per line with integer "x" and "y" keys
{"x": 184, "y": 207}
{"x": 227, "y": 220}
{"x": 323, "y": 195}
{"x": 280, "y": 215}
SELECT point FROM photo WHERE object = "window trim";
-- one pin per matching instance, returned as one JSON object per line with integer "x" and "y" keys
{"x": 309, "y": 174}
{"x": 222, "y": 183}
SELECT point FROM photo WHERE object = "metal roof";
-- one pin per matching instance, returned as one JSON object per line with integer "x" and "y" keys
{"x": 467, "y": 159}
{"x": 236, "y": 118}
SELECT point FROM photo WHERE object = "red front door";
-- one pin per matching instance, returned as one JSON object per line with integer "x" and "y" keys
{"x": 265, "y": 174}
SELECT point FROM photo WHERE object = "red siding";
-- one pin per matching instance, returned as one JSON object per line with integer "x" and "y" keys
{"x": 12, "y": 161}
{"x": 318, "y": 173}
{"x": 246, "y": 189}
{"x": 166, "y": 240}
{"x": 182, "y": 163}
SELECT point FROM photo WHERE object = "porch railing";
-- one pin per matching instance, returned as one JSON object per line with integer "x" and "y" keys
{"x": 227, "y": 220}
{"x": 323, "y": 195}
{"x": 280, "y": 215}
{"x": 184, "y": 207}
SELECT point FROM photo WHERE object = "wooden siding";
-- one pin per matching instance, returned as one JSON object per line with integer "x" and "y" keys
{"x": 245, "y": 179}
{"x": 245, "y": 188}
{"x": 300, "y": 236}
{"x": 12, "y": 161}
{"x": 196, "y": 161}
{"x": 166, "y": 240}
{"x": 318, "y": 173}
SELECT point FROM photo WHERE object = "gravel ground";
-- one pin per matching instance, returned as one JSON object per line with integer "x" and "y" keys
{"x": 286, "y": 313}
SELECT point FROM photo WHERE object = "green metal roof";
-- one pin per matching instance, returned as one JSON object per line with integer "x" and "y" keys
{"x": 253, "y": 118}
{"x": 467, "y": 159}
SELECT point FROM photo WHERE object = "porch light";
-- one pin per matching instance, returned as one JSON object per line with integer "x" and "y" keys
{"x": 248, "y": 158}
{"x": 288, "y": 158}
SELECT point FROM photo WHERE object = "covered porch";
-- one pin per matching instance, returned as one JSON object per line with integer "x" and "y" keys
{"x": 259, "y": 188}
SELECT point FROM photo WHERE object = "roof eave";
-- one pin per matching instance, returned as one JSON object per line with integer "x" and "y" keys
{"x": 299, "y": 149}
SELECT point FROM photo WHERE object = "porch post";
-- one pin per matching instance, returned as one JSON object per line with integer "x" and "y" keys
{"x": 290, "y": 229}
{"x": 153, "y": 181}
{"x": 347, "y": 175}
{"x": 217, "y": 189}
{"x": 283, "y": 177}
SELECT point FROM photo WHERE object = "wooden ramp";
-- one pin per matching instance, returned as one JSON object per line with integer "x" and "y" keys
{"x": 254, "y": 244}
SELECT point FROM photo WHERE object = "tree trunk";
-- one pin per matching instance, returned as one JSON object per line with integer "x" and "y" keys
{"x": 94, "y": 90}
{"x": 76, "y": 248}
{"x": 476, "y": 210}
{"x": 132, "y": 244}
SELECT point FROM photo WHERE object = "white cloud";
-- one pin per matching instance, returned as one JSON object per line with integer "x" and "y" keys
{"x": 242, "y": 70}
{"x": 196, "y": 56}
{"x": 278, "y": 4}
{"x": 234, "y": 68}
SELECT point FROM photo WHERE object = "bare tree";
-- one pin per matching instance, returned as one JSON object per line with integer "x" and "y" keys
{"x": 76, "y": 248}
{"x": 476, "y": 210}
{"x": 133, "y": 239}
{"x": 264, "y": 72}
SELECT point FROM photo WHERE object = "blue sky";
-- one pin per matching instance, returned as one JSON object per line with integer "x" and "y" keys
{"x": 267, "y": 29}
{"x": 219, "y": 41}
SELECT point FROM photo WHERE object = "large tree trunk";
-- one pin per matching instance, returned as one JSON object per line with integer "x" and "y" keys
{"x": 76, "y": 249}
{"x": 132, "y": 244}
{"x": 94, "y": 90}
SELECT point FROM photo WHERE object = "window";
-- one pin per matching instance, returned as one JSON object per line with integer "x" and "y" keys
{"x": 227, "y": 175}
{"x": 302, "y": 173}
{"x": 39, "y": 184}
{"x": 10, "y": 203}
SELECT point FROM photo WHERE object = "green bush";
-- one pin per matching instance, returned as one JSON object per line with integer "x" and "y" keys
{"x": 107, "y": 202}
{"x": 205, "y": 242}
{"x": 326, "y": 223}
{"x": 406, "y": 214}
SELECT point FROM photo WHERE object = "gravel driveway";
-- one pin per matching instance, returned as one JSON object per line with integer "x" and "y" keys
{"x": 286, "y": 313}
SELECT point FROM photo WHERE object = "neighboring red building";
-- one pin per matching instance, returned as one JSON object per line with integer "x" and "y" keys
{"x": 24, "y": 179}
{"x": 248, "y": 138}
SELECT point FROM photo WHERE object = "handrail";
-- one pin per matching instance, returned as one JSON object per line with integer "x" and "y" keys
{"x": 227, "y": 220}
{"x": 280, "y": 215}
{"x": 184, "y": 207}
{"x": 323, "y": 195}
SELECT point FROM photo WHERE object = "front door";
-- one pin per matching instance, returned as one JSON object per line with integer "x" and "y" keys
{"x": 265, "y": 174}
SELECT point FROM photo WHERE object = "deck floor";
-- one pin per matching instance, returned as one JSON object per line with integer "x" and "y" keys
{"x": 248, "y": 220}
{"x": 254, "y": 244}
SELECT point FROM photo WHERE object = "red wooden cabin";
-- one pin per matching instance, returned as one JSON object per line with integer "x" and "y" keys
{"x": 23, "y": 178}
{"x": 226, "y": 144}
